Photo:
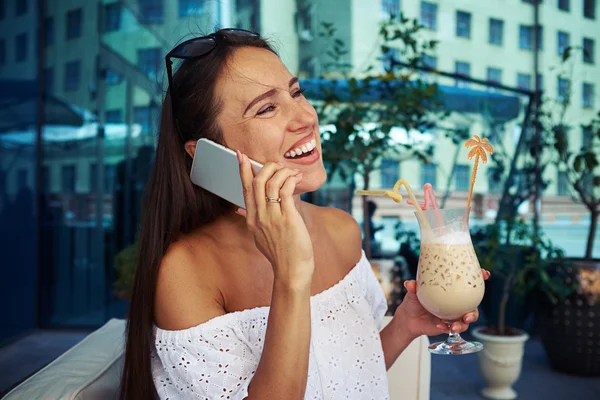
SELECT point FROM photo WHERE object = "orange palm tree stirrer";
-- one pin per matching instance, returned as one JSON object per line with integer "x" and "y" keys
{"x": 479, "y": 149}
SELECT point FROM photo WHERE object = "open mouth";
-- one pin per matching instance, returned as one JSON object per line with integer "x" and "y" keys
{"x": 303, "y": 151}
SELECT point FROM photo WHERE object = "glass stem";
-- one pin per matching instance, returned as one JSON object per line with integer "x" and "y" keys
{"x": 453, "y": 338}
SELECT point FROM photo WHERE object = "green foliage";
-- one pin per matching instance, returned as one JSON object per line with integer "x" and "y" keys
{"x": 125, "y": 262}
{"x": 527, "y": 262}
{"x": 360, "y": 137}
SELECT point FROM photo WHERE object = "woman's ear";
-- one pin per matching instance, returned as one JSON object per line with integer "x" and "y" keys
{"x": 190, "y": 147}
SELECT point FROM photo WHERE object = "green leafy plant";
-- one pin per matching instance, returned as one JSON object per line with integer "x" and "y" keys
{"x": 362, "y": 111}
{"x": 125, "y": 262}
{"x": 526, "y": 262}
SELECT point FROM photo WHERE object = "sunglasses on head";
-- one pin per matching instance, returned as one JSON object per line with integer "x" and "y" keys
{"x": 196, "y": 48}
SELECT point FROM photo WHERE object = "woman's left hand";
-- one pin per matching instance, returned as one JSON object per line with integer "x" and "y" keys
{"x": 417, "y": 321}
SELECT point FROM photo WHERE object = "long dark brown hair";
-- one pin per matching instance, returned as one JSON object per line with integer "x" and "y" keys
{"x": 172, "y": 204}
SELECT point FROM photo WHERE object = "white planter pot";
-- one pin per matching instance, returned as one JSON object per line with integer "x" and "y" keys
{"x": 500, "y": 363}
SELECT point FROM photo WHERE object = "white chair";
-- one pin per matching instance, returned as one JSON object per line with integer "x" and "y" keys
{"x": 91, "y": 369}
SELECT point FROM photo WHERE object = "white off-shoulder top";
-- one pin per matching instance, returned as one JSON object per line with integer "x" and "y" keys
{"x": 217, "y": 359}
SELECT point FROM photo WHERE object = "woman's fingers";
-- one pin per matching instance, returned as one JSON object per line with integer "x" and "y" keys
{"x": 471, "y": 317}
{"x": 486, "y": 274}
{"x": 258, "y": 187}
{"x": 287, "y": 192}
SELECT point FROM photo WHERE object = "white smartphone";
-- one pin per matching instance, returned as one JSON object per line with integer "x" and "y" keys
{"x": 216, "y": 169}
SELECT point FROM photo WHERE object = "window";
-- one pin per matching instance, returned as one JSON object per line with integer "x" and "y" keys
{"x": 429, "y": 61}
{"x": 109, "y": 177}
{"x": 540, "y": 82}
{"x": 22, "y": 6}
{"x": 390, "y": 172}
{"x": 494, "y": 75}
{"x": 112, "y": 17}
{"x": 563, "y": 42}
{"x": 2, "y": 52}
{"x": 526, "y": 37}
{"x": 587, "y": 99}
{"x": 524, "y": 81}
{"x": 563, "y": 90}
{"x": 151, "y": 11}
{"x": 461, "y": 177}
{"x": 562, "y": 185}
{"x": 429, "y": 174}
{"x": 114, "y": 117}
{"x": 532, "y": 1}
{"x": 49, "y": 79}
{"x": 463, "y": 24}
{"x": 589, "y": 9}
{"x": 191, "y": 7}
{"x": 564, "y": 5}
{"x": 68, "y": 179}
{"x": 45, "y": 178}
{"x": 21, "y": 47}
{"x": 429, "y": 15}
{"x": 496, "y": 31}
{"x": 586, "y": 136}
{"x": 588, "y": 50}
{"x": 49, "y": 27}
{"x": 149, "y": 61}
{"x": 72, "y": 76}
{"x": 390, "y": 7}
{"x": 494, "y": 180}
{"x": 2, "y": 10}
{"x": 147, "y": 117}
{"x": 464, "y": 69}
{"x": 22, "y": 178}
{"x": 74, "y": 24}
{"x": 112, "y": 77}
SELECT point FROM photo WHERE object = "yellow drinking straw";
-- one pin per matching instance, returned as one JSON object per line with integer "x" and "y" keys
{"x": 479, "y": 149}
{"x": 397, "y": 197}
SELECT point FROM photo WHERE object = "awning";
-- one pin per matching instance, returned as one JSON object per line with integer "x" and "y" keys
{"x": 501, "y": 107}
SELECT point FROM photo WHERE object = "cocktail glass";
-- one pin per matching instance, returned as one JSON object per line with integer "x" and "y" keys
{"x": 449, "y": 279}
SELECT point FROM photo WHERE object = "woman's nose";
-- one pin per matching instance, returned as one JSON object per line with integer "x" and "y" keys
{"x": 301, "y": 117}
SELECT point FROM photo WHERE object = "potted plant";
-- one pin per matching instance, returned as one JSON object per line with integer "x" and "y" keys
{"x": 521, "y": 259}
{"x": 569, "y": 327}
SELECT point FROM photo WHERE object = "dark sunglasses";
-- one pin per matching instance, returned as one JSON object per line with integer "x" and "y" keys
{"x": 196, "y": 48}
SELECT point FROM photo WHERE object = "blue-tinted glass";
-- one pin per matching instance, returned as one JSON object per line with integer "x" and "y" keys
{"x": 74, "y": 24}
{"x": 588, "y": 50}
{"x": 429, "y": 15}
{"x": 191, "y": 7}
{"x": 21, "y": 47}
{"x": 151, "y": 11}
{"x": 112, "y": 17}
{"x": 463, "y": 24}
{"x": 496, "y": 31}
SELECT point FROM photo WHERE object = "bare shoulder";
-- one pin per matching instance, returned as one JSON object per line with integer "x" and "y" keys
{"x": 187, "y": 293}
{"x": 344, "y": 230}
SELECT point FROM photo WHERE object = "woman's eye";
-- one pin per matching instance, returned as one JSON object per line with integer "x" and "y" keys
{"x": 266, "y": 110}
{"x": 298, "y": 93}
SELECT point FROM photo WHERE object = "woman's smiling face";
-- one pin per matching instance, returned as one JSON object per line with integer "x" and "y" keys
{"x": 265, "y": 115}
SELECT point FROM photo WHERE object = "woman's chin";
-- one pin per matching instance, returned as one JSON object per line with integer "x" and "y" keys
{"x": 311, "y": 183}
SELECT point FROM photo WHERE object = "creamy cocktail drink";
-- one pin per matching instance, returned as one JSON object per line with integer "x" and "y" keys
{"x": 449, "y": 280}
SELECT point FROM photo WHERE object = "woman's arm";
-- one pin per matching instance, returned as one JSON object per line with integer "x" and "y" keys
{"x": 282, "y": 372}
{"x": 394, "y": 340}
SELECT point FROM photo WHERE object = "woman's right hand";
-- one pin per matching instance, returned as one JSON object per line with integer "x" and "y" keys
{"x": 278, "y": 228}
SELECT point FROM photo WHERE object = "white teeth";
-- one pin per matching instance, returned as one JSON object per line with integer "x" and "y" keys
{"x": 305, "y": 148}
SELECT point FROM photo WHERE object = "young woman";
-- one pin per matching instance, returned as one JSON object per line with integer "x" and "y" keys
{"x": 276, "y": 301}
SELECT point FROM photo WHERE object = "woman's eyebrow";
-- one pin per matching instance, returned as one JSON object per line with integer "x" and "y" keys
{"x": 267, "y": 94}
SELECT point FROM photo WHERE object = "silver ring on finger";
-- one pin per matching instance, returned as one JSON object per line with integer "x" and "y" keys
{"x": 273, "y": 199}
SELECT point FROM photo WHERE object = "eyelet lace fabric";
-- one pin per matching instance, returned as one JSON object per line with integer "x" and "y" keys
{"x": 217, "y": 359}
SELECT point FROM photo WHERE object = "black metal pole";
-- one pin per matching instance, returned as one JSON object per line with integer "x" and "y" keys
{"x": 39, "y": 201}
{"x": 537, "y": 142}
